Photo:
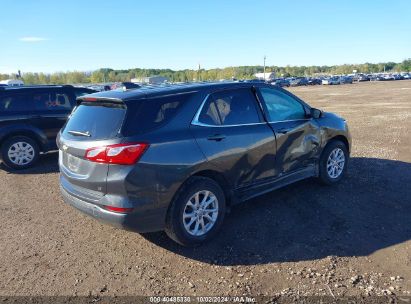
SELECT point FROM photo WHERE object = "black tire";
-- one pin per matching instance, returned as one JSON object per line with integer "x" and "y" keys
{"x": 174, "y": 222}
{"x": 324, "y": 175}
{"x": 9, "y": 162}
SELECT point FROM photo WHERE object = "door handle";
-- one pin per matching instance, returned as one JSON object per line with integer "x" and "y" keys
{"x": 216, "y": 137}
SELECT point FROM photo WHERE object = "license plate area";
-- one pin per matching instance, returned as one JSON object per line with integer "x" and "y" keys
{"x": 73, "y": 163}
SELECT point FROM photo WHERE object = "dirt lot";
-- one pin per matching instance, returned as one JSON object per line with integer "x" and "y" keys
{"x": 307, "y": 239}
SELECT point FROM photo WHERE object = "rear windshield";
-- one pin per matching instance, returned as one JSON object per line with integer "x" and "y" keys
{"x": 95, "y": 120}
{"x": 152, "y": 113}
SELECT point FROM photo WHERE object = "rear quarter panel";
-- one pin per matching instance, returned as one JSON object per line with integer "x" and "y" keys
{"x": 171, "y": 158}
{"x": 150, "y": 185}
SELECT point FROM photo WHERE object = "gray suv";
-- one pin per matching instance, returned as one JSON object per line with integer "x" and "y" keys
{"x": 176, "y": 157}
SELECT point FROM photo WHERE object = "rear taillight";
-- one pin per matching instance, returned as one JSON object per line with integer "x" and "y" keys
{"x": 118, "y": 209}
{"x": 119, "y": 154}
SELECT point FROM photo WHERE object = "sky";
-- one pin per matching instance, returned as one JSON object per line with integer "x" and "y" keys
{"x": 49, "y": 36}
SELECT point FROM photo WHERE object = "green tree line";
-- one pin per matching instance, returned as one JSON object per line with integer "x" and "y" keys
{"x": 240, "y": 72}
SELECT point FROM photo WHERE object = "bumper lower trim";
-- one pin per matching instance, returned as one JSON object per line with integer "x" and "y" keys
{"x": 139, "y": 222}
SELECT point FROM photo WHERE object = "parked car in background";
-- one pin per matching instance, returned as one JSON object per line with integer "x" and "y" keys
{"x": 331, "y": 80}
{"x": 125, "y": 85}
{"x": 398, "y": 77}
{"x": 255, "y": 80}
{"x": 175, "y": 158}
{"x": 377, "y": 77}
{"x": 314, "y": 81}
{"x": 299, "y": 81}
{"x": 361, "y": 78}
{"x": 346, "y": 79}
{"x": 281, "y": 82}
{"x": 388, "y": 77}
{"x": 30, "y": 118}
{"x": 12, "y": 82}
{"x": 100, "y": 87}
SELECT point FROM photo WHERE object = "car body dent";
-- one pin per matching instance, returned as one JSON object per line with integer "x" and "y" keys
{"x": 250, "y": 164}
{"x": 332, "y": 126}
{"x": 299, "y": 146}
{"x": 242, "y": 155}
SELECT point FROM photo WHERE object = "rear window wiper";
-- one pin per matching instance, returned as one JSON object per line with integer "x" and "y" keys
{"x": 79, "y": 133}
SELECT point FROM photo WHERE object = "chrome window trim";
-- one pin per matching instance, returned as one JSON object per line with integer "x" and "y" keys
{"x": 200, "y": 124}
{"x": 196, "y": 122}
{"x": 197, "y": 116}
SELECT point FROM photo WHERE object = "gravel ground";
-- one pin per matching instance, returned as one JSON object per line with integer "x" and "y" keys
{"x": 351, "y": 239}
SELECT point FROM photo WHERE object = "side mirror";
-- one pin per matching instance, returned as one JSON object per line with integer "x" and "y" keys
{"x": 316, "y": 113}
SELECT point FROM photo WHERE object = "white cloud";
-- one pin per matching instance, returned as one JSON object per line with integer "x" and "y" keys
{"x": 32, "y": 39}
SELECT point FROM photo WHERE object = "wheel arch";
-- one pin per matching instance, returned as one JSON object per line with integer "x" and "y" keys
{"x": 173, "y": 227}
{"x": 341, "y": 138}
{"x": 220, "y": 179}
{"x": 216, "y": 176}
{"x": 28, "y": 133}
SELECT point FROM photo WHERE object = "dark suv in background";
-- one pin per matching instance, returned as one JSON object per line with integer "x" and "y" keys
{"x": 299, "y": 81}
{"x": 175, "y": 158}
{"x": 30, "y": 118}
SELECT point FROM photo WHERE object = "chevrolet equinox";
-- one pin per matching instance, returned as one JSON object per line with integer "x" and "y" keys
{"x": 176, "y": 157}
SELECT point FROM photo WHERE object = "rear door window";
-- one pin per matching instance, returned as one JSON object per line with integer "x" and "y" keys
{"x": 99, "y": 120}
{"x": 209, "y": 114}
{"x": 230, "y": 107}
{"x": 16, "y": 103}
{"x": 152, "y": 113}
{"x": 52, "y": 101}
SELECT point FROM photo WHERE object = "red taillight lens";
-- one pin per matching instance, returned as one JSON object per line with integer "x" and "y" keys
{"x": 96, "y": 154}
{"x": 118, "y": 209}
{"x": 119, "y": 154}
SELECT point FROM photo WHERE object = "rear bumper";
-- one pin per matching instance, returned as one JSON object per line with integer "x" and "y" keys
{"x": 143, "y": 221}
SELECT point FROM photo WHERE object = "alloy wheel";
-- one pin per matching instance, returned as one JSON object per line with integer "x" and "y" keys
{"x": 335, "y": 163}
{"x": 200, "y": 213}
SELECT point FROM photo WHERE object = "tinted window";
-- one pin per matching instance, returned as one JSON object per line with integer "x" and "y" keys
{"x": 100, "y": 120}
{"x": 231, "y": 107}
{"x": 16, "y": 103}
{"x": 51, "y": 101}
{"x": 209, "y": 114}
{"x": 149, "y": 114}
{"x": 281, "y": 106}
